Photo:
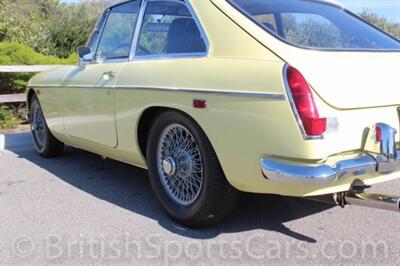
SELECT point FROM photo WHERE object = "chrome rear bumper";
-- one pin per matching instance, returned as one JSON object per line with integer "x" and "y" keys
{"x": 323, "y": 174}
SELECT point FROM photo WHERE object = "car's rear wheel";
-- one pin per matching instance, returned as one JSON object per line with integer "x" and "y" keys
{"x": 185, "y": 172}
{"x": 45, "y": 143}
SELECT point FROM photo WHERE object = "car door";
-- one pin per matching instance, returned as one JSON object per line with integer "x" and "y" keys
{"x": 170, "y": 41}
{"x": 89, "y": 102}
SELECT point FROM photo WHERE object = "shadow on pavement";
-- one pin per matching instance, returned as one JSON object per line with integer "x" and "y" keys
{"x": 128, "y": 187}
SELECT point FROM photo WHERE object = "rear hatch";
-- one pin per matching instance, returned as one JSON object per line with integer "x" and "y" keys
{"x": 349, "y": 63}
{"x": 349, "y": 80}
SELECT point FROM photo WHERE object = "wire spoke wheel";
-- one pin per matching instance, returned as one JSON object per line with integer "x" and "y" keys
{"x": 38, "y": 127}
{"x": 45, "y": 143}
{"x": 185, "y": 173}
{"x": 180, "y": 165}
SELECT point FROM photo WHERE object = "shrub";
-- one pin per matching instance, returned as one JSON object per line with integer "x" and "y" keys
{"x": 7, "y": 119}
{"x": 20, "y": 54}
{"x": 71, "y": 26}
{"x": 49, "y": 26}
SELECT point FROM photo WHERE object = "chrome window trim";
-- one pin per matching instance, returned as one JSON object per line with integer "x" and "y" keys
{"x": 133, "y": 56}
{"x": 114, "y": 60}
{"x": 106, "y": 13}
{"x": 245, "y": 94}
{"x": 135, "y": 40}
{"x": 100, "y": 30}
{"x": 199, "y": 26}
{"x": 94, "y": 59}
{"x": 169, "y": 56}
{"x": 116, "y": 3}
{"x": 294, "y": 109}
{"x": 136, "y": 34}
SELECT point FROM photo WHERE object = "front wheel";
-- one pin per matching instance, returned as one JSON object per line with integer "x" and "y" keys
{"x": 45, "y": 143}
{"x": 185, "y": 172}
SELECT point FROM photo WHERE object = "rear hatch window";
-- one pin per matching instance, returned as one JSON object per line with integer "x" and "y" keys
{"x": 316, "y": 25}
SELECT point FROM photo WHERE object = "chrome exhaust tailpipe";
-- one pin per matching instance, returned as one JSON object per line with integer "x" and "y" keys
{"x": 373, "y": 200}
{"x": 358, "y": 197}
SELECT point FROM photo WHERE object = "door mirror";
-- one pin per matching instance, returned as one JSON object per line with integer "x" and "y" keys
{"x": 85, "y": 55}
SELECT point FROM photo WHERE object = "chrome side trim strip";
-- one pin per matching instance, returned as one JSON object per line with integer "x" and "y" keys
{"x": 276, "y": 96}
{"x": 263, "y": 95}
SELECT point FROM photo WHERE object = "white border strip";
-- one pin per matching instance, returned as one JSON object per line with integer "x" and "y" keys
{"x": 2, "y": 142}
{"x": 34, "y": 68}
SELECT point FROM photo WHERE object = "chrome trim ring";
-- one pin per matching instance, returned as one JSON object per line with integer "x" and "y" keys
{"x": 180, "y": 165}
{"x": 38, "y": 127}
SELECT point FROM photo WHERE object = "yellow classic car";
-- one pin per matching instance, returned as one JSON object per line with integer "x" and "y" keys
{"x": 218, "y": 97}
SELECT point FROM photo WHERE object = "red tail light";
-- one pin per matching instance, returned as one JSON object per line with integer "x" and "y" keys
{"x": 302, "y": 97}
{"x": 378, "y": 134}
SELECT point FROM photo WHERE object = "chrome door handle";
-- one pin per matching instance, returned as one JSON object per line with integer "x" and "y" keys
{"x": 108, "y": 75}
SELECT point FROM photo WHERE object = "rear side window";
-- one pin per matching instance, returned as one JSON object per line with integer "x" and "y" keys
{"x": 116, "y": 39}
{"x": 312, "y": 30}
{"x": 316, "y": 24}
{"x": 169, "y": 28}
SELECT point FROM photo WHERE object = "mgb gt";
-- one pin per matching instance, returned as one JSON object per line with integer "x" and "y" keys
{"x": 218, "y": 97}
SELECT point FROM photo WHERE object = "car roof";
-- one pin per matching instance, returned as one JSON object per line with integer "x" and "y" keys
{"x": 332, "y": 2}
{"x": 116, "y": 2}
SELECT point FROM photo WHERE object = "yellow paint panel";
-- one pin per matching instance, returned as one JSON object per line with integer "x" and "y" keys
{"x": 241, "y": 129}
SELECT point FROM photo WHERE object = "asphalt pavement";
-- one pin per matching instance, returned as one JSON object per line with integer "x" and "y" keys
{"x": 81, "y": 209}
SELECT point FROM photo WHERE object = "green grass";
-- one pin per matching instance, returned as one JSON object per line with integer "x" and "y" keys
{"x": 7, "y": 118}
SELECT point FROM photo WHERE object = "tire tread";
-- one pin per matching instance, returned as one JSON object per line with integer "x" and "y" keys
{"x": 53, "y": 147}
{"x": 221, "y": 197}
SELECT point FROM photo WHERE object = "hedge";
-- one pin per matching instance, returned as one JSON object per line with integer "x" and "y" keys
{"x": 12, "y": 53}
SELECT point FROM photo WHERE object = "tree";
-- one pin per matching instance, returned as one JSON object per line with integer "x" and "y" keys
{"x": 48, "y": 26}
{"x": 71, "y": 27}
{"x": 382, "y": 23}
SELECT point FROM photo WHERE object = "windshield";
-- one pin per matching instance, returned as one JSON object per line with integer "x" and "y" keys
{"x": 315, "y": 24}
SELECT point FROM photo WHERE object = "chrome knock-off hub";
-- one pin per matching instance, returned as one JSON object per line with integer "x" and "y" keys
{"x": 169, "y": 166}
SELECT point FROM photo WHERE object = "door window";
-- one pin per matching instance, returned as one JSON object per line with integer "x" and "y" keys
{"x": 169, "y": 28}
{"x": 94, "y": 38}
{"x": 116, "y": 39}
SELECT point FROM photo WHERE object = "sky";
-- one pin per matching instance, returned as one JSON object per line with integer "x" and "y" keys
{"x": 387, "y": 8}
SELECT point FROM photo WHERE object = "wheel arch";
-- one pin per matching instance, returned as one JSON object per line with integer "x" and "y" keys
{"x": 29, "y": 95}
{"x": 146, "y": 121}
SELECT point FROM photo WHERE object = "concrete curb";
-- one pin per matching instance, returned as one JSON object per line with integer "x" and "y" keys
{"x": 2, "y": 142}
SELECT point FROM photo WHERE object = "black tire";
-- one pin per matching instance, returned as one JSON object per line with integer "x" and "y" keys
{"x": 46, "y": 144}
{"x": 216, "y": 198}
